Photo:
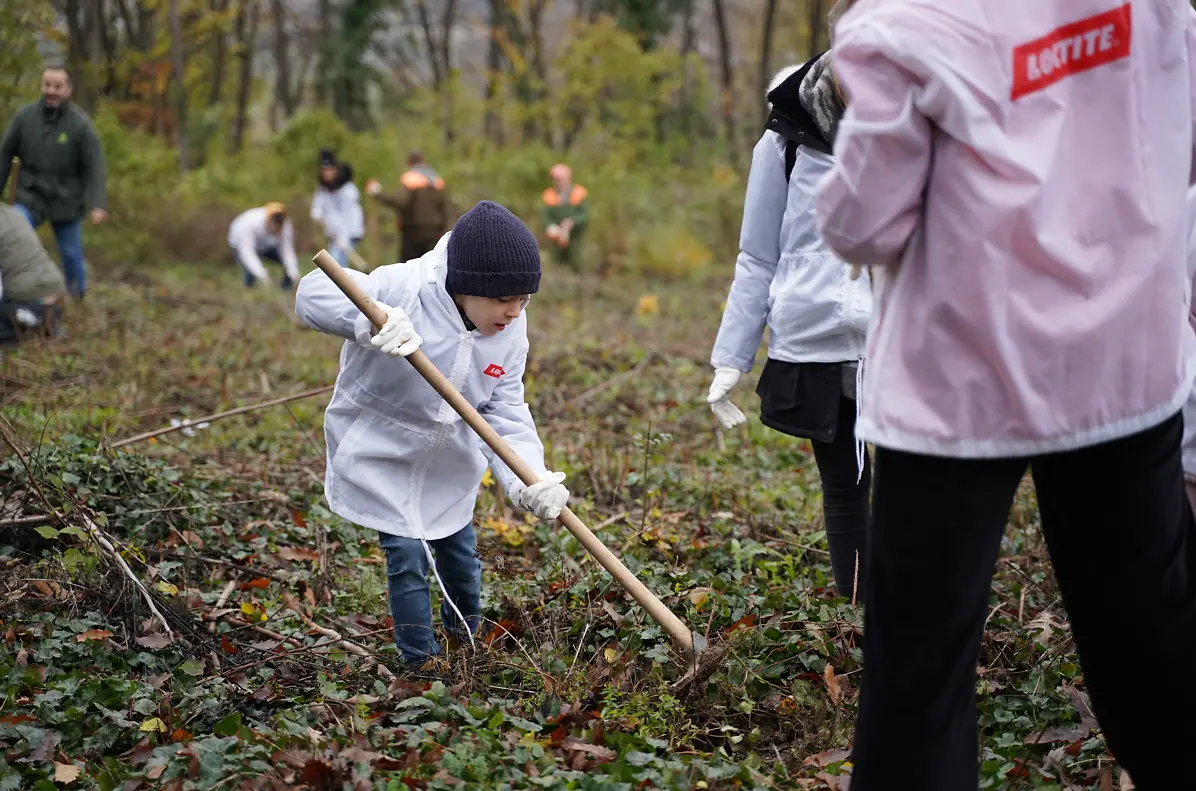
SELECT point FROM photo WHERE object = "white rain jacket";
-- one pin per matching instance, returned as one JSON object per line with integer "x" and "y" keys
{"x": 785, "y": 276}
{"x": 340, "y": 212}
{"x": 400, "y": 460}
{"x": 1018, "y": 171}
{"x": 250, "y": 237}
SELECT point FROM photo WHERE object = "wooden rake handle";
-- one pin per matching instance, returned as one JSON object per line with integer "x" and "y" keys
{"x": 682, "y": 637}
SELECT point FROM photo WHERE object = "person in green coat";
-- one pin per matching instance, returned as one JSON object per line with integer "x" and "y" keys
{"x": 62, "y": 170}
{"x": 566, "y": 215}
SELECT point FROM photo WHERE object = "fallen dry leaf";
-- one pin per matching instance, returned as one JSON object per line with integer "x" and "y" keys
{"x": 827, "y": 758}
{"x": 746, "y": 622}
{"x": 295, "y": 554}
{"x": 599, "y": 752}
{"x": 66, "y": 773}
{"x": 832, "y": 683}
{"x": 155, "y": 771}
{"x": 1062, "y": 733}
{"x": 699, "y": 596}
{"x": 192, "y": 538}
{"x": 259, "y": 583}
{"x": 93, "y": 634}
{"x": 1079, "y": 699}
{"x": 840, "y": 783}
{"x": 609, "y": 609}
{"x": 154, "y": 641}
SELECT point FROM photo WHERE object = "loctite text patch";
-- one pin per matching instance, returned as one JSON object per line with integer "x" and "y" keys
{"x": 1072, "y": 49}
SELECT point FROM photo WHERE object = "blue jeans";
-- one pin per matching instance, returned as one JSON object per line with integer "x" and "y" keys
{"x": 268, "y": 255}
{"x": 339, "y": 254}
{"x": 410, "y": 594}
{"x": 69, "y": 238}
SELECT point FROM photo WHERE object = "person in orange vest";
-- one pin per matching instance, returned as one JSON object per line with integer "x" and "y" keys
{"x": 566, "y": 215}
{"x": 425, "y": 212}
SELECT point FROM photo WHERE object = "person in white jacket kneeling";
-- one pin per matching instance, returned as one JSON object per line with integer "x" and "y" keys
{"x": 400, "y": 460}
{"x": 816, "y": 313}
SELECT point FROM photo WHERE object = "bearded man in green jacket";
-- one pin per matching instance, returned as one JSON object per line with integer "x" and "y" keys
{"x": 62, "y": 170}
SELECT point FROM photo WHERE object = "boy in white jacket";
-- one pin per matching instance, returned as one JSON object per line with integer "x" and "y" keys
{"x": 400, "y": 460}
{"x": 337, "y": 207}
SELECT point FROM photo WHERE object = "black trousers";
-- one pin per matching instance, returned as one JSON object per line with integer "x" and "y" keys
{"x": 845, "y": 502}
{"x": 1122, "y": 540}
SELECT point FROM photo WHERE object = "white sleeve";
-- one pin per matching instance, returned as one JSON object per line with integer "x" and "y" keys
{"x": 323, "y": 306}
{"x": 319, "y": 207}
{"x": 286, "y": 251}
{"x": 508, "y": 413}
{"x": 744, "y": 318}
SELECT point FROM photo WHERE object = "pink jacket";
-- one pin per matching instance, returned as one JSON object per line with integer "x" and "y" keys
{"x": 1017, "y": 169}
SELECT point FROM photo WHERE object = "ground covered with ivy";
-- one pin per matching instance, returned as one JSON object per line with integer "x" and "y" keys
{"x": 272, "y": 667}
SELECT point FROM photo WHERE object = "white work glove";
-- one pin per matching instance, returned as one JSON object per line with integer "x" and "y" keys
{"x": 546, "y": 497}
{"x": 397, "y": 337}
{"x": 727, "y": 413}
{"x": 26, "y": 317}
{"x": 343, "y": 243}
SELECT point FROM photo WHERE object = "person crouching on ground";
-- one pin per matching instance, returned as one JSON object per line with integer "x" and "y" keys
{"x": 31, "y": 287}
{"x": 337, "y": 207}
{"x": 400, "y": 460}
{"x": 264, "y": 232}
{"x": 817, "y": 316}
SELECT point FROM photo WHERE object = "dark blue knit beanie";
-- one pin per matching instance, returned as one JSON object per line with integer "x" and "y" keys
{"x": 491, "y": 253}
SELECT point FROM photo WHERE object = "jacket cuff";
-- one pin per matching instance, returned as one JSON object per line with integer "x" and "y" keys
{"x": 363, "y": 330}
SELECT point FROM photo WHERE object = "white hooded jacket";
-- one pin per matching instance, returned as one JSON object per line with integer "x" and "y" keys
{"x": 400, "y": 460}
{"x": 339, "y": 211}
{"x": 785, "y": 276}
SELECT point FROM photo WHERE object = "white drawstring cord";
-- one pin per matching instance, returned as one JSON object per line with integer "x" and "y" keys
{"x": 444, "y": 591}
{"x": 859, "y": 443}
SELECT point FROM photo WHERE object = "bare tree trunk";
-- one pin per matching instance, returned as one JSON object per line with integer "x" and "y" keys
{"x": 535, "y": 23}
{"x": 446, "y": 57}
{"x": 490, "y": 126}
{"x": 766, "y": 56}
{"x": 180, "y": 82}
{"x": 325, "y": 44}
{"x": 421, "y": 8}
{"x": 107, "y": 41}
{"x": 219, "y": 55}
{"x": 247, "y": 25}
{"x": 93, "y": 22}
{"x": 728, "y": 78}
{"x": 282, "y": 60}
{"x": 688, "y": 45}
{"x": 816, "y": 20}
{"x": 77, "y": 53}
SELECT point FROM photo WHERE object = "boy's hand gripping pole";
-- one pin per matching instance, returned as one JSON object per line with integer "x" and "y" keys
{"x": 685, "y": 642}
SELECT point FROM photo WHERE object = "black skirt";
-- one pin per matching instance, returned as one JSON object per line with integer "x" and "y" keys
{"x": 801, "y": 399}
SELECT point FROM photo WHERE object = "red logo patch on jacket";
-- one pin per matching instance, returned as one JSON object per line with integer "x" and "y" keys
{"x": 494, "y": 370}
{"x": 1072, "y": 49}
